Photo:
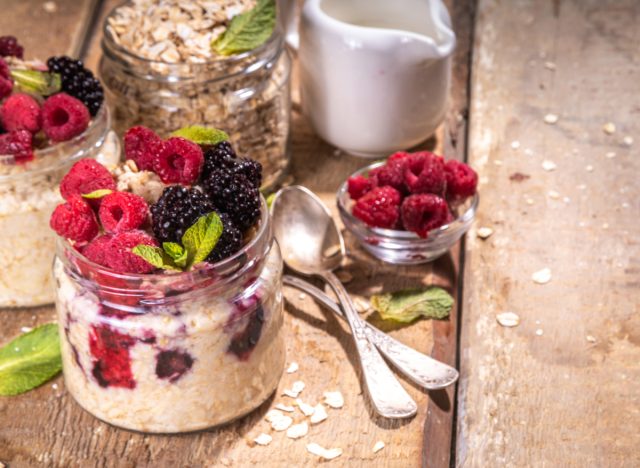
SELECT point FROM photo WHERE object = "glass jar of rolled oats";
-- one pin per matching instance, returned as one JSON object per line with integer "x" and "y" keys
{"x": 159, "y": 70}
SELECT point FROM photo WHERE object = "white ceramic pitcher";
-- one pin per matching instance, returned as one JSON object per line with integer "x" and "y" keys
{"x": 375, "y": 74}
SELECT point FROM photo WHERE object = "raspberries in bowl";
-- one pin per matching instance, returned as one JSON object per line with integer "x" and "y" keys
{"x": 411, "y": 208}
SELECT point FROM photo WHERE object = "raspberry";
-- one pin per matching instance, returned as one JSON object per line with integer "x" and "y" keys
{"x": 461, "y": 180}
{"x": 424, "y": 173}
{"x": 229, "y": 243}
{"x": 222, "y": 156}
{"x": 111, "y": 360}
{"x": 398, "y": 156}
{"x": 17, "y": 144}
{"x": 123, "y": 211}
{"x": 390, "y": 174}
{"x": 172, "y": 364}
{"x": 64, "y": 117}
{"x": 179, "y": 161}
{"x": 379, "y": 208}
{"x": 235, "y": 195}
{"x": 423, "y": 212}
{"x": 9, "y": 47}
{"x": 358, "y": 186}
{"x": 21, "y": 112}
{"x": 74, "y": 220}
{"x": 78, "y": 81}
{"x": 176, "y": 210}
{"x": 6, "y": 83}
{"x": 122, "y": 259}
{"x": 98, "y": 249}
{"x": 86, "y": 176}
{"x": 143, "y": 146}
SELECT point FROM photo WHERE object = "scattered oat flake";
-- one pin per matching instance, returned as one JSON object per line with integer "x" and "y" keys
{"x": 378, "y": 446}
{"x": 591, "y": 339}
{"x": 319, "y": 414}
{"x": 293, "y": 367}
{"x": 298, "y": 430}
{"x": 295, "y": 390}
{"x": 281, "y": 424}
{"x": 327, "y": 454}
{"x": 54, "y": 386}
{"x": 589, "y": 168}
{"x": 549, "y": 65}
{"x": 361, "y": 304}
{"x": 498, "y": 162}
{"x": 539, "y": 332}
{"x": 611, "y": 154}
{"x": 26, "y": 329}
{"x": 283, "y": 407}
{"x": 515, "y": 144}
{"x": 548, "y": 165}
{"x": 273, "y": 415}
{"x": 551, "y": 119}
{"x": 344, "y": 276}
{"x": 609, "y": 128}
{"x": 334, "y": 399}
{"x": 542, "y": 276}
{"x": 605, "y": 225}
{"x": 508, "y": 319}
{"x": 628, "y": 141}
{"x": 50, "y": 7}
{"x": 263, "y": 439}
{"x": 528, "y": 152}
{"x": 484, "y": 232}
{"x": 553, "y": 194}
{"x": 306, "y": 408}
{"x": 529, "y": 200}
{"x": 302, "y": 296}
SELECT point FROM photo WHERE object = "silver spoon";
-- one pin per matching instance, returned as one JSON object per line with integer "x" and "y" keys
{"x": 420, "y": 368}
{"x": 312, "y": 245}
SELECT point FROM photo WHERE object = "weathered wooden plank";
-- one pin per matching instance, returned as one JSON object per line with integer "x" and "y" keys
{"x": 561, "y": 389}
{"x": 47, "y": 28}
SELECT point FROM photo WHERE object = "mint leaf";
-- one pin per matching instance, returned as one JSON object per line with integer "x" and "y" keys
{"x": 30, "y": 360}
{"x": 176, "y": 252}
{"x": 407, "y": 305}
{"x": 155, "y": 256}
{"x": 200, "y": 239}
{"x": 97, "y": 193}
{"x": 270, "y": 199}
{"x": 247, "y": 30}
{"x": 37, "y": 82}
{"x": 205, "y": 136}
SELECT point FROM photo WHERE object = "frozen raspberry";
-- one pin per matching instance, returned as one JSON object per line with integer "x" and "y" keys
{"x": 143, "y": 146}
{"x": 379, "y": 208}
{"x": 358, "y": 186}
{"x": 74, "y": 220}
{"x": 243, "y": 342}
{"x": 9, "y": 47}
{"x": 98, "y": 249}
{"x": 390, "y": 174}
{"x": 122, "y": 259}
{"x": 179, "y": 161}
{"x": 110, "y": 354}
{"x": 21, "y": 112}
{"x": 424, "y": 173}
{"x": 423, "y": 212}
{"x": 461, "y": 180}
{"x": 172, "y": 364}
{"x": 64, "y": 117}
{"x": 86, "y": 176}
{"x": 123, "y": 211}
{"x": 17, "y": 144}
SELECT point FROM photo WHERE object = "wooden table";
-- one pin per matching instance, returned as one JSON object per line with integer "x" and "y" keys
{"x": 560, "y": 389}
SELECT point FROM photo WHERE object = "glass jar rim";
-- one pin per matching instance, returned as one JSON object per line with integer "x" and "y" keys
{"x": 404, "y": 236}
{"x": 228, "y": 269}
{"x": 97, "y": 131}
{"x": 275, "y": 41}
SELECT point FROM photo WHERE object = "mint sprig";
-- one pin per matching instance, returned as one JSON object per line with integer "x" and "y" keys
{"x": 197, "y": 243}
{"x": 30, "y": 360}
{"x": 247, "y": 30}
{"x": 204, "y": 136}
{"x": 97, "y": 194}
{"x": 407, "y": 305}
{"x": 37, "y": 82}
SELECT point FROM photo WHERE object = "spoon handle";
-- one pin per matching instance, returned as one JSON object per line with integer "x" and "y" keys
{"x": 386, "y": 393}
{"x": 420, "y": 368}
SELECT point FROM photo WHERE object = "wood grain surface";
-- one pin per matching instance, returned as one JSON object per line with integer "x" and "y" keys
{"x": 562, "y": 388}
{"x": 46, "y": 427}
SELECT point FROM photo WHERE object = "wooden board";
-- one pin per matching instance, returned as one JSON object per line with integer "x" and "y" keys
{"x": 560, "y": 389}
{"x": 47, "y": 427}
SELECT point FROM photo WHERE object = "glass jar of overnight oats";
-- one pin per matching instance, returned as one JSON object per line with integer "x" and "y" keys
{"x": 176, "y": 352}
{"x": 28, "y": 194}
{"x": 159, "y": 71}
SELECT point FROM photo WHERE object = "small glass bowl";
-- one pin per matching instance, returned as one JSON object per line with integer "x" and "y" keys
{"x": 405, "y": 247}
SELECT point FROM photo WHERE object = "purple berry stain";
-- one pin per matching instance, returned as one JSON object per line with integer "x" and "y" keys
{"x": 172, "y": 364}
{"x": 243, "y": 342}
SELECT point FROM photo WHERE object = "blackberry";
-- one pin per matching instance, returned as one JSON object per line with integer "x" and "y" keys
{"x": 222, "y": 156}
{"x": 235, "y": 195}
{"x": 9, "y": 47}
{"x": 78, "y": 81}
{"x": 229, "y": 243}
{"x": 176, "y": 210}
